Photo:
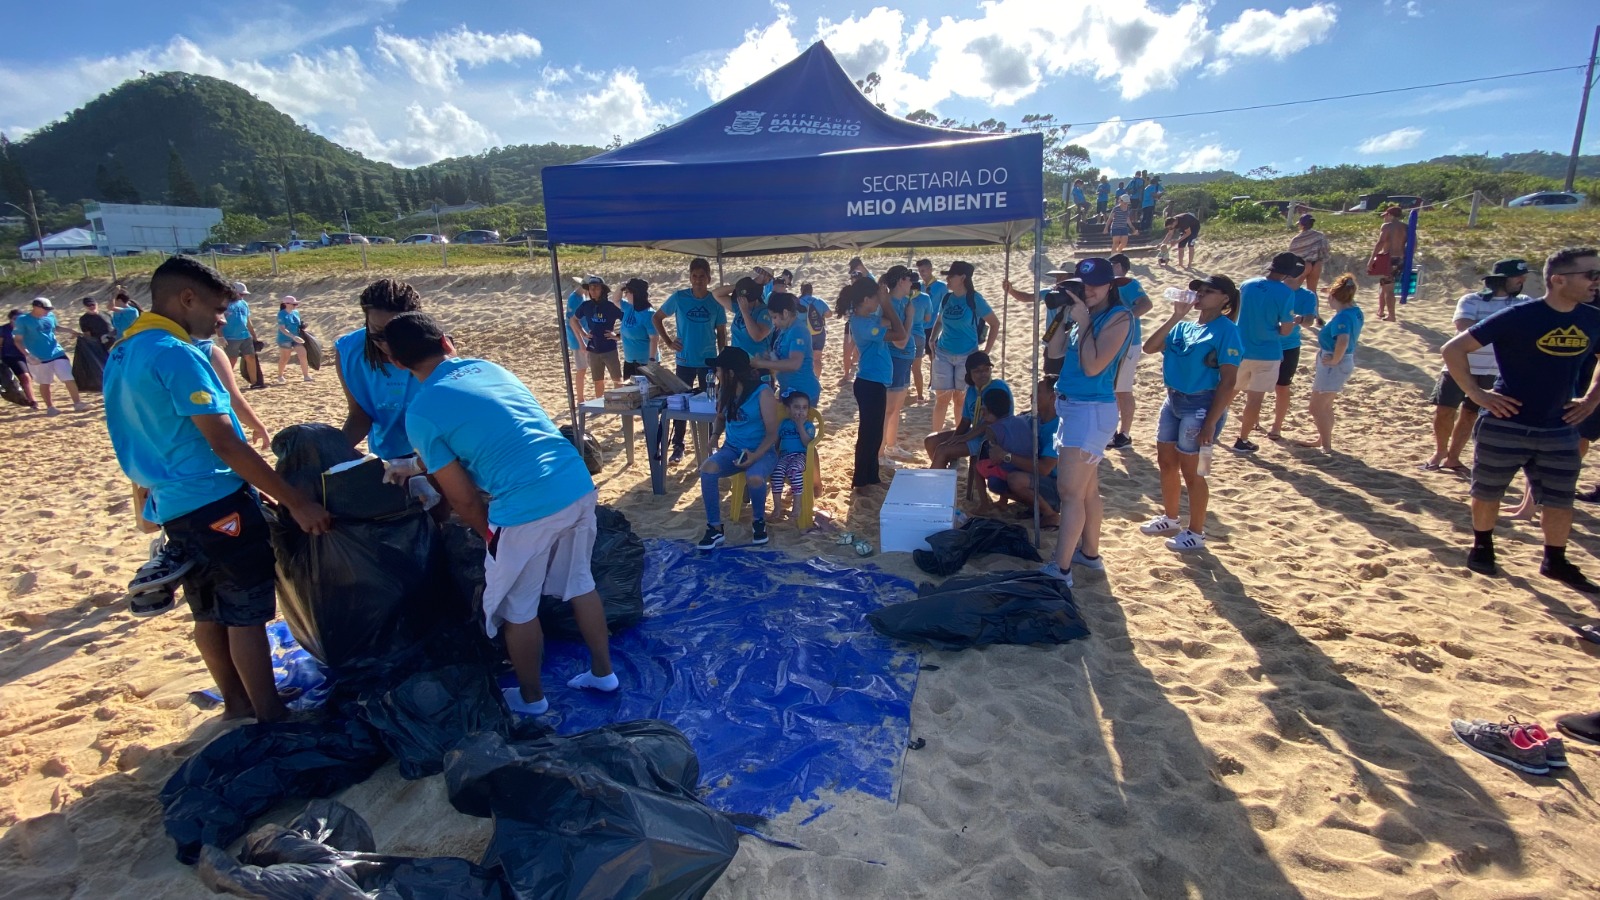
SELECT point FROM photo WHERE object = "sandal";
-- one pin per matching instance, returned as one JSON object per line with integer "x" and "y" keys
{"x": 1428, "y": 467}
{"x": 1590, "y": 633}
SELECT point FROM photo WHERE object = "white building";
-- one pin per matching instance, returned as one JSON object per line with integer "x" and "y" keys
{"x": 123, "y": 228}
{"x": 72, "y": 242}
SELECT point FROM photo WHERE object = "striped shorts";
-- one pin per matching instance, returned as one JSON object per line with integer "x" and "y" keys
{"x": 1549, "y": 456}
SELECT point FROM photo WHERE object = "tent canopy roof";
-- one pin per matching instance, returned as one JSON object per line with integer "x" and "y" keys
{"x": 800, "y": 160}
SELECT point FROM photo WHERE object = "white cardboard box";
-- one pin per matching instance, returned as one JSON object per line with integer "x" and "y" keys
{"x": 920, "y": 502}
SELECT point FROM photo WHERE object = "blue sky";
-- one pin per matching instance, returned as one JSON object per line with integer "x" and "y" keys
{"x": 412, "y": 82}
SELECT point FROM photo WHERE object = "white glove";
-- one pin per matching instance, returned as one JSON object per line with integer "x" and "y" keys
{"x": 422, "y": 491}
{"x": 396, "y": 471}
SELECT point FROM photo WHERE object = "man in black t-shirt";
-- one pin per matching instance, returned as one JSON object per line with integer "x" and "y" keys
{"x": 1182, "y": 229}
{"x": 1529, "y": 420}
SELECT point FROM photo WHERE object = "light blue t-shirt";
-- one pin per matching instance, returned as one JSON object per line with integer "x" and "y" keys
{"x": 740, "y": 335}
{"x": 796, "y": 341}
{"x": 288, "y": 320}
{"x": 154, "y": 383}
{"x": 1102, "y": 192}
{"x": 1151, "y": 192}
{"x": 474, "y": 412}
{"x": 638, "y": 327}
{"x": 906, "y": 309}
{"x": 697, "y": 319}
{"x": 936, "y": 292}
{"x": 815, "y": 312}
{"x": 969, "y": 402}
{"x": 235, "y": 322}
{"x": 1135, "y": 188}
{"x": 1047, "y": 437}
{"x": 39, "y": 336}
{"x": 1264, "y": 305}
{"x": 382, "y": 393}
{"x": 122, "y": 318}
{"x": 1078, "y": 196}
{"x": 1346, "y": 321}
{"x": 958, "y": 335}
{"x": 574, "y": 300}
{"x": 1073, "y": 383}
{"x": 871, "y": 338}
{"x": 1194, "y": 354}
{"x": 1305, "y": 304}
{"x": 789, "y": 436}
{"x": 1130, "y": 294}
{"x": 747, "y": 430}
{"x": 921, "y": 318}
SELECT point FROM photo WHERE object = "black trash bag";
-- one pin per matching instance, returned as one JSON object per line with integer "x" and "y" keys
{"x": 464, "y": 551}
{"x": 593, "y": 458}
{"x": 304, "y": 452}
{"x": 216, "y": 793}
{"x": 952, "y": 549}
{"x": 607, "y": 813}
{"x": 617, "y": 565}
{"x": 313, "y": 349}
{"x": 327, "y": 853}
{"x": 89, "y": 365}
{"x": 977, "y": 610}
{"x": 11, "y": 387}
{"x": 428, "y": 712}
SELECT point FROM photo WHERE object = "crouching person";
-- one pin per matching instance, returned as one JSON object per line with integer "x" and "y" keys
{"x": 479, "y": 431}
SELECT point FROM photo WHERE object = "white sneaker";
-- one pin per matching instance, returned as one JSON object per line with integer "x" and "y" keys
{"x": 51, "y": 411}
{"x": 80, "y": 406}
{"x": 1187, "y": 542}
{"x": 307, "y": 378}
{"x": 282, "y": 380}
{"x": 1161, "y": 525}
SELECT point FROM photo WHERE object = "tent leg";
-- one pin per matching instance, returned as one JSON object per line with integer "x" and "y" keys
{"x": 1005, "y": 308}
{"x": 720, "y": 279}
{"x": 1038, "y": 249}
{"x": 566, "y": 352}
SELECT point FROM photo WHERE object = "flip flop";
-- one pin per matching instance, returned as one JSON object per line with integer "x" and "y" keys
{"x": 1428, "y": 467}
{"x": 1590, "y": 633}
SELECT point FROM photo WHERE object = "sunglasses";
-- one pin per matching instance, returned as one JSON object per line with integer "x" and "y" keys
{"x": 1591, "y": 274}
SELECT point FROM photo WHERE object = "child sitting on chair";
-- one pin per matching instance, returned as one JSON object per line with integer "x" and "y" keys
{"x": 795, "y": 434}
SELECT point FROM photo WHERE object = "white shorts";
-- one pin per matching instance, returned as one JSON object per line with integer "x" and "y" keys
{"x": 949, "y": 372}
{"x": 1259, "y": 376}
{"x": 1130, "y": 367}
{"x": 545, "y": 556}
{"x": 59, "y": 369}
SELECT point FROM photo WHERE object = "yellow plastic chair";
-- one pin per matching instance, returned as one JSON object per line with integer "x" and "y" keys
{"x": 808, "y": 489}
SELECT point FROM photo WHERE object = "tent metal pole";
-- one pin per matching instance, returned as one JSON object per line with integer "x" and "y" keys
{"x": 1038, "y": 250}
{"x": 1005, "y": 308}
{"x": 720, "y": 279}
{"x": 561, "y": 338}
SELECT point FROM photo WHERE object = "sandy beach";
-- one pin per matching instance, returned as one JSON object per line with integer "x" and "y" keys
{"x": 1269, "y": 719}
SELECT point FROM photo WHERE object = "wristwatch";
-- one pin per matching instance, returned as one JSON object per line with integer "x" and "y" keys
{"x": 1008, "y": 457}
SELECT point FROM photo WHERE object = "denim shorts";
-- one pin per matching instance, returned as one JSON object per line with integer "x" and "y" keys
{"x": 900, "y": 378}
{"x": 1182, "y": 417}
{"x": 1086, "y": 426}
{"x": 949, "y": 372}
{"x": 1332, "y": 379}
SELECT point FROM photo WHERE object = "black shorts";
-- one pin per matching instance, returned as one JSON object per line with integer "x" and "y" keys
{"x": 18, "y": 367}
{"x": 1291, "y": 361}
{"x": 630, "y": 369}
{"x": 1447, "y": 393}
{"x": 233, "y": 581}
{"x": 1186, "y": 241}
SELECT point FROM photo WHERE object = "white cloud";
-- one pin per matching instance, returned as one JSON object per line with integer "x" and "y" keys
{"x": 445, "y": 130}
{"x": 1391, "y": 141}
{"x": 616, "y": 104}
{"x": 1465, "y": 100}
{"x": 436, "y": 61}
{"x": 1118, "y": 147}
{"x": 762, "y": 50}
{"x": 1258, "y": 32}
{"x": 1411, "y": 8}
{"x": 1207, "y": 158}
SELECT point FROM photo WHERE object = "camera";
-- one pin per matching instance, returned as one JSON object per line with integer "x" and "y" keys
{"x": 1065, "y": 294}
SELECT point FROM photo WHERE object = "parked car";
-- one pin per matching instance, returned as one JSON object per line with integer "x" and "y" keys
{"x": 302, "y": 245}
{"x": 381, "y": 240}
{"x": 339, "y": 238}
{"x": 425, "y": 239}
{"x": 227, "y": 249}
{"x": 536, "y": 236}
{"x": 263, "y": 247}
{"x": 1552, "y": 201}
{"x": 478, "y": 236}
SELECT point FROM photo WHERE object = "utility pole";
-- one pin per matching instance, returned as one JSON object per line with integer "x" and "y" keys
{"x": 1583, "y": 112}
{"x": 38, "y": 233}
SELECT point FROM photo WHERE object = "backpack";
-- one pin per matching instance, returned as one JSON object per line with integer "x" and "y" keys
{"x": 816, "y": 322}
{"x": 980, "y": 327}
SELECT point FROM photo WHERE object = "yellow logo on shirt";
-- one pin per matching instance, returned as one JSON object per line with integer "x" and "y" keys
{"x": 200, "y": 398}
{"x": 1568, "y": 341}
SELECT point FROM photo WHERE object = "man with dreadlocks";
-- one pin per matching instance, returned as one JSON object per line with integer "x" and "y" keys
{"x": 376, "y": 391}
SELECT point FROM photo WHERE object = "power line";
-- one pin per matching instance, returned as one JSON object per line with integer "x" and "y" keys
{"x": 1418, "y": 87}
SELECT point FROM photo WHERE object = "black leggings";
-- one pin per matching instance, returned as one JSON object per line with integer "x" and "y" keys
{"x": 872, "y": 399}
{"x": 694, "y": 376}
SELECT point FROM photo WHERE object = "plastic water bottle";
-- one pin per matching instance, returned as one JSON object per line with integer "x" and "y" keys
{"x": 1203, "y": 468}
{"x": 1179, "y": 295}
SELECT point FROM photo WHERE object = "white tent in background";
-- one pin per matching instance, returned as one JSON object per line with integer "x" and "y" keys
{"x": 72, "y": 242}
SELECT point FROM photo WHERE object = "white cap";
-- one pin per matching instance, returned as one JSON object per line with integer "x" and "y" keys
{"x": 288, "y": 298}
{"x": 44, "y": 302}
{"x": 240, "y": 289}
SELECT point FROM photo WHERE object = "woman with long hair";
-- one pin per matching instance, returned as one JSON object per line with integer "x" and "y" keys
{"x": 639, "y": 340}
{"x": 902, "y": 357}
{"x": 1336, "y": 358}
{"x": 1200, "y": 365}
{"x": 749, "y": 416}
{"x": 1090, "y": 349}
{"x": 291, "y": 343}
{"x": 873, "y": 326}
{"x": 377, "y": 392}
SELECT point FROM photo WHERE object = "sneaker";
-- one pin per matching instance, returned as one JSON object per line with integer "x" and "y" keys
{"x": 166, "y": 565}
{"x": 1583, "y": 728}
{"x": 307, "y": 378}
{"x": 1054, "y": 571}
{"x": 1088, "y": 562}
{"x": 1242, "y": 447}
{"x": 51, "y": 411}
{"x": 80, "y": 406}
{"x": 153, "y": 602}
{"x": 1555, "y": 753}
{"x": 282, "y": 380}
{"x": 1494, "y": 741}
{"x": 898, "y": 452}
{"x": 758, "y": 531}
{"x": 1590, "y": 496}
{"x": 1119, "y": 441}
{"x": 1161, "y": 525}
{"x": 1568, "y": 574}
{"x": 1187, "y": 541}
{"x": 1481, "y": 560}
{"x": 714, "y": 538}
{"x": 676, "y": 457}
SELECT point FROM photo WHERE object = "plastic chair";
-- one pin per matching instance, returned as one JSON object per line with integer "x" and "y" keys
{"x": 808, "y": 490}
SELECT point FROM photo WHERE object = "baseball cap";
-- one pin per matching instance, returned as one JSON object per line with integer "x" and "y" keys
{"x": 43, "y": 303}
{"x": 1289, "y": 264}
{"x": 1308, "y": 219}
{"x": 1220, "y": 282}
{"x": 1096, "y": 271}
{"x": 289, "y": 298}
{"x": 240, "y": 290}
{"x": 1508, "y": 268}
{"x": 959, "y": 268}
{"x": 591, "y": 279}
{"x": 90, "y": 301}
{"x": 762, "y": 270}
{"x": 730, "y": 358}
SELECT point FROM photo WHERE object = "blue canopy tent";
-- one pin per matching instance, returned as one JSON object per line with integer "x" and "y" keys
{"x": 798, "y": 161}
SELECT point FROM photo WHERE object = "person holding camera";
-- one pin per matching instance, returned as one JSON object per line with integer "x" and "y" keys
{"x": 874, "y": 327}
{"x": 1200, "y": 365}
{"x": 1091, "y": 345}
{"x": 964, "y": 321}
{"x": 1055, "y": 300}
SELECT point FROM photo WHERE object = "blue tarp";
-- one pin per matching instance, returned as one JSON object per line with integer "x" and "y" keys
{"x": 765, "y": 663}
{"x": 800, "y": 160}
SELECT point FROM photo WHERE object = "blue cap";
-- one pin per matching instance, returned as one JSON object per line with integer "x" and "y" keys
{"x": 1095, "y": 271}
